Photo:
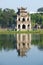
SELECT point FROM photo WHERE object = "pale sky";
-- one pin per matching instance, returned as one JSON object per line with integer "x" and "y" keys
{"x": 31, "y": 5}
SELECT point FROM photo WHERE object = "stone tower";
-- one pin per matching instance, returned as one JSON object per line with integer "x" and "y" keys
{"x": 23, "y": 20}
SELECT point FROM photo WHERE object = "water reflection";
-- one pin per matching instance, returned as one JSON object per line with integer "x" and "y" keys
{"x": 8, "y": 42}
{"x": 37, "y": 40}
{"x": 23, "y": 43}
{"x": 21, "y": 49}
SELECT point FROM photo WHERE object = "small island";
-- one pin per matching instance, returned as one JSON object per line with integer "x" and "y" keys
{"x": 21, "y": 22}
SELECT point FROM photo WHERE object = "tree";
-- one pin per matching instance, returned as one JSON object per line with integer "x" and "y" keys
{"x": 7, "y": 17}
{"x": 40, "y": 9}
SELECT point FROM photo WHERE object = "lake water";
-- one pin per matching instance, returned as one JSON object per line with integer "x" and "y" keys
{"x": 21, "y": 49}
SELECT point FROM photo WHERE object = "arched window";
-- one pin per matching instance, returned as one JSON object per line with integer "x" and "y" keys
{"x": 23, "y": 19}
{"x": 19, "y": 19}
{"x": 19, "y": 26}
{"x": 23, "y": 26}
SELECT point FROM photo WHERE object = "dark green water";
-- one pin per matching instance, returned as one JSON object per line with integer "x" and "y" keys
{"x": 21, "y": 49}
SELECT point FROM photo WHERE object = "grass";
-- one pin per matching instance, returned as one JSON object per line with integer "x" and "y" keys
{"x": 15, "y": 32}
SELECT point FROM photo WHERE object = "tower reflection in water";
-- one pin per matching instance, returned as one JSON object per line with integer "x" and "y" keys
{"x": 23, "y": 43}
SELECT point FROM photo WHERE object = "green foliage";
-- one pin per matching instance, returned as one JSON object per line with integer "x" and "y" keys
{"x": 7, "y": 18}
{"x": 37, "y": 18}
{"x": 40, "y": 9}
